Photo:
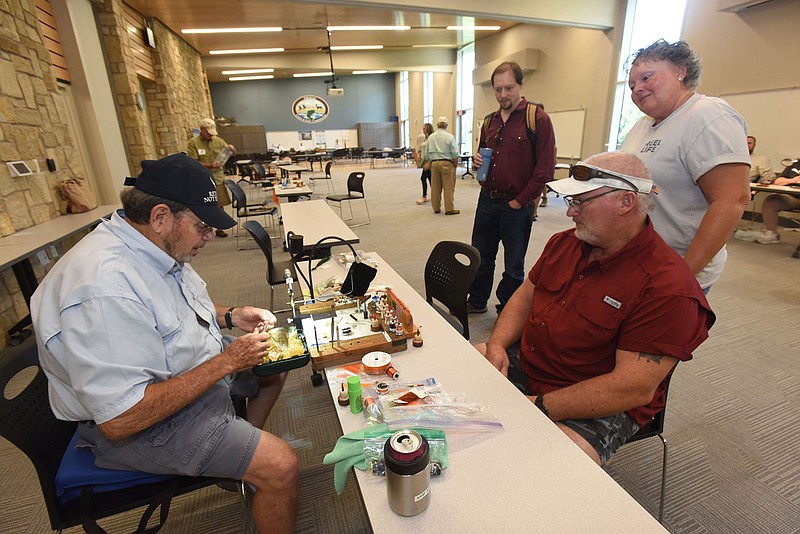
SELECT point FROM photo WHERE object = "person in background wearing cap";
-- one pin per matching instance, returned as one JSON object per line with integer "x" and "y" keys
{"x": 520, "y": 167}
{"x": 440, "y": 155}
{"x": 606, "y": 313}
{"x": 133, "y": 349}
{"x": 205, "y": 147}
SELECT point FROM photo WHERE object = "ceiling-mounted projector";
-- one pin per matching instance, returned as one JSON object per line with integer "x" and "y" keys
{"x": 335, "y": 91}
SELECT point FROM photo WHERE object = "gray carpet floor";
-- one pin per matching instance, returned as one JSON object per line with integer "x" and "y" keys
{"x": 732, "y": 415}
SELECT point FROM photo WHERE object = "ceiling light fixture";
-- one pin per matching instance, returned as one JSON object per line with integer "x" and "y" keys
{"x": 367, "y": 28}
{"x": 357, "y": 47}
{"x": 242, "y": 78}
{"x": 369, "y": 72}
{"x": 247, "y": 71}
{"x": 311, "y": 74}
{"x": 245, "y": 51}
{"x": 234, "y": 30}
{"x": 473, "y": 28}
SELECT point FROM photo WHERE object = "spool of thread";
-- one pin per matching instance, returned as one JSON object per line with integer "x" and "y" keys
{"x": 376, "y": 363}
{"x": 354, "y": 392}
{"x": 382, "y": 387}
{"x": 344, "y": 397}
{"x": 392, "y": 372}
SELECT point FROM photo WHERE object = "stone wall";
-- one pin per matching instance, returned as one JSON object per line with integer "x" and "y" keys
{"x": 175, "y": 101}
{"x": 33, "y": 123}
{"x": 180, "y": 97}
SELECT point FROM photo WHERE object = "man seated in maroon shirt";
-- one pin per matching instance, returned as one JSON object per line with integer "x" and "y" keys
{"x": 606, "y": 313}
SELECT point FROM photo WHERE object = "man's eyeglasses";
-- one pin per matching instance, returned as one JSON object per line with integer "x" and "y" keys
{"x": 202, "y": 228}
{"x": 583, "y": 172}
{"x": 579, "y": 203}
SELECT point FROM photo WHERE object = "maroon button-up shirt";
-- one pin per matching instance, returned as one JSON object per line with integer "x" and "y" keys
{"x": 513, "y": 170}
{"x": 642, "y": 299}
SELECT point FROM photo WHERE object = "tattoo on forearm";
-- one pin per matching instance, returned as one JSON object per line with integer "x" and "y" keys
{"x": 655, "y": 358}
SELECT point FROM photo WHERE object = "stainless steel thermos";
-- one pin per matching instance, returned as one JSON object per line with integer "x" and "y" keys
{"x": 408, "y": 474}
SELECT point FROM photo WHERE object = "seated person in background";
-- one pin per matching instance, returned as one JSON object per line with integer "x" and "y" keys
{"x": 777, "y": 202}
{"x": 760, "y": 168}
{"x": 606, "y": 313}
{"x": 132, "y": 348}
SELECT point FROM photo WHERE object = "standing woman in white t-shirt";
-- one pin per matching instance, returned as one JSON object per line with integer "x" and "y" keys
{"x": 695, "y": 147}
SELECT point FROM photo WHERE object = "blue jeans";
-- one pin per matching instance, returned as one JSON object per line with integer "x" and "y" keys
{"x": 496, "y": 222}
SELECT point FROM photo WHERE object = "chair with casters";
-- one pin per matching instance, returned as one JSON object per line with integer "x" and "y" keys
{"x": 244, "y": 210}
{"x": 27, "y": 421}
{"x": 276, "y": 270}
{"x": 327, "y": 177}
{"x": 655, "y": 428}
{"x": 355, "y": 191}
{"x": 449, "y": 273}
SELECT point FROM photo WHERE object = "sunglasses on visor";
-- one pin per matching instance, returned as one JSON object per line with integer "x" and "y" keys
{"x": 583, "y": 173}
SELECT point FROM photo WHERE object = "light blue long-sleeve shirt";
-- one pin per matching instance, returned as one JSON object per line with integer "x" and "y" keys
{"x": 115, "y": 314}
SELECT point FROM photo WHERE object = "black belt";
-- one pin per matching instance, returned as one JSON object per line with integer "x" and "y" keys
{"x": 496, "y": 194}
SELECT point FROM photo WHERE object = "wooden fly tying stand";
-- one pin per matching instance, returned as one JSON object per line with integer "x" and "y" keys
{"x": 343, "y": 351}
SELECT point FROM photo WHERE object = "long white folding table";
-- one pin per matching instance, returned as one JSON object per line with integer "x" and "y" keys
{"x": 528, "y": 478}
{"x": 314, "y": 220}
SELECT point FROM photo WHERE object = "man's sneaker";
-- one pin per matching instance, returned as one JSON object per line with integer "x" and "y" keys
{"x": 422, "y": 200}
{"x": 796, "y": 254}
{"x": 473, "y": 309}
{"x": 747, "y": 235}
{"x": 768, "y": 238}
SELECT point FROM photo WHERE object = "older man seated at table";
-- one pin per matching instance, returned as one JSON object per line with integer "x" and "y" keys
{"x": 606, "y": 313}
{"x": 776, "y": 203}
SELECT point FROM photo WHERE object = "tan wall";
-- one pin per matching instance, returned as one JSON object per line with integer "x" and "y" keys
{"x": 576, "y": 70}
{"x": 34, "y": 122}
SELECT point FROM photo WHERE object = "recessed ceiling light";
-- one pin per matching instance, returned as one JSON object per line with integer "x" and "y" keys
{"x": 245, "y": 51}
{"x": 311, "y": 74}
{"x": 247, "y": 71}
{"x": 234, "y": 30}
{"x": 357, "y": 47}
{"x": 369, "y": 72}
{"x": 242, "y": 78}
{"x": 474, "y": 28}
{"x": 368, "y": 28}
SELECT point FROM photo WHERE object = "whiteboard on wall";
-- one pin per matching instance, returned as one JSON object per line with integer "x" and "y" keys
{"x": 568, "y": 127}
{"x": 773, "y": 118}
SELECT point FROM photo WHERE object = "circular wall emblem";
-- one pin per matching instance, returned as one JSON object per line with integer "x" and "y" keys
{"x": 310, "y": 109}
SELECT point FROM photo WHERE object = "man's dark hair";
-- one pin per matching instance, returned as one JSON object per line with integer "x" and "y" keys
{"x": 753, "y": 137}
{"x": 513, "y": 67}
{"x": 677, "y": 53}
{"x": 138, "y": 205}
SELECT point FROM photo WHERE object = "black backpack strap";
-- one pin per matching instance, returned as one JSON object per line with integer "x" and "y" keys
{"x": 486, "y": 121}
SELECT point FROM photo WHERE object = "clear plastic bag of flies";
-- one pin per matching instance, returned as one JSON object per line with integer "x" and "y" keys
{"x": 425, "y": 404}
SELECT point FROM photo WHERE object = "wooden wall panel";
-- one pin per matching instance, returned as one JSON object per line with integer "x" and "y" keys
{"x": 47, "y": 24}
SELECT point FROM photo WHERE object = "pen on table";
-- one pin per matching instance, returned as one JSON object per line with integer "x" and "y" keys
{"x": 354, "y": 317}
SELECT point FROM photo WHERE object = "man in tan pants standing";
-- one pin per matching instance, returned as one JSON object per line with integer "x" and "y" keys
{"x": 441, "y": 155}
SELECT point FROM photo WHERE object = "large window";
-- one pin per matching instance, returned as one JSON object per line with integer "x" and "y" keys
{"x": 645, "y": 22}
{"x": 465, "y": 98}
{"x": 427, "y": 97}
{"x": 404, "y": 123}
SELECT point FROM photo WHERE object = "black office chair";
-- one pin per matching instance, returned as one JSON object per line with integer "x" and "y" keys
{"x": 276, "y": 270}
{"x": 27, "y": 421}
{"x": 448, "y": 277}
{"x": 244, "y": 210}
{"x": 652, "y": 429}
{"x": 355, "y": 191}
{"x": 327, "y": 177}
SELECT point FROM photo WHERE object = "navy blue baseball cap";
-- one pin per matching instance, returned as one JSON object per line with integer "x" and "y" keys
{"x": 182, "y": 179}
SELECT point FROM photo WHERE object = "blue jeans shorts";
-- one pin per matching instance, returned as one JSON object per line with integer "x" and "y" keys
{"x": 604, "y": 434}
{"x": 203, "y": 439}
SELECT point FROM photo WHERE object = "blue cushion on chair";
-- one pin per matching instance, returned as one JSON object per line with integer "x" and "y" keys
{"x": 77, "y": 469}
